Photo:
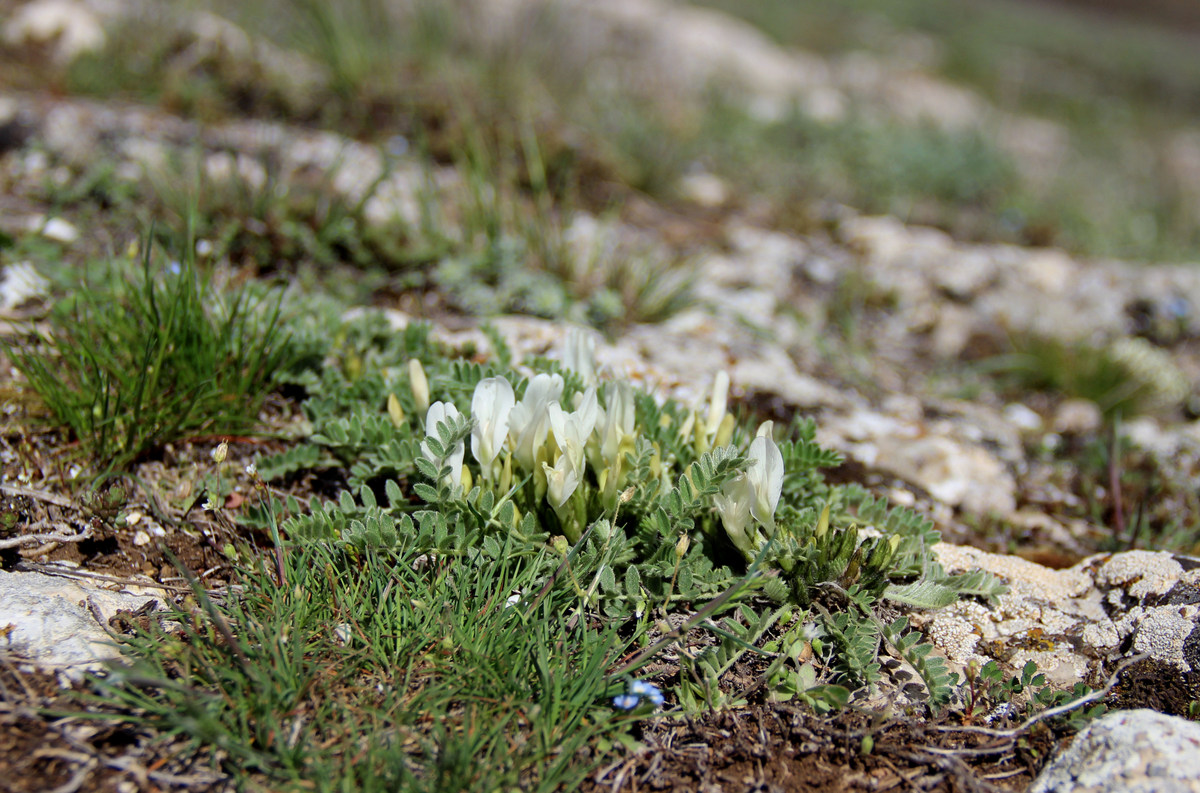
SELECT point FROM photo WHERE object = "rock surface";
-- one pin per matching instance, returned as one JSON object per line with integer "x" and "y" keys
{"x": 1134, "y": 751}
{"x": 61, "y": 623}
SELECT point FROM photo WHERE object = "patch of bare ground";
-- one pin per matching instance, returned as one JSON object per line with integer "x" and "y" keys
{"x": 786, "y": 748}
{"x": 49, "y": 742}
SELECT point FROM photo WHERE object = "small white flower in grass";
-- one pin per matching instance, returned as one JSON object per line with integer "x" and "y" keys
{"x": 491, "y": 407}
{"x": 529, "y": 422}
{"x": 251, "y": 470}
{"x": 208, "y": 505}
{"x": 439, "y": 412}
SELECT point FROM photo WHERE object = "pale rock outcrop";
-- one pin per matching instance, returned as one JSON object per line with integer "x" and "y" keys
{"x": 1130, "y": 751}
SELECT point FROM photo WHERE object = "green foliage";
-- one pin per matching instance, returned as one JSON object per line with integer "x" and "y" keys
{"x": 1127, "y": 377}
{"x": 793, "y": 673}
{"x": 739, "y": 635}
{"x": 939, "y": 682}
{"x": 290, "y": 461}
{"x": 130, "y": 365}
{"x": 989, "y": 691}
{"x": 354, "y": 648}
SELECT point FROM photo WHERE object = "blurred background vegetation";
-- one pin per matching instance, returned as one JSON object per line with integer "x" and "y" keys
{"x": 1111, "y": 92}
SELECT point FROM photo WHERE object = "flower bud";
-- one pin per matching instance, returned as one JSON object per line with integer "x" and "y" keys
{"x": 219, "y": 453}
{"x": 395, "y": 412}
{"x": 681, "y": 547}
{"x": 419, "y": 384}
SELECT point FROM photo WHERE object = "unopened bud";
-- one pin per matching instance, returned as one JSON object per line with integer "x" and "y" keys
{"x": 219, "y": 453}
{"x": 681, "y": 547}
{"x": 419, "y": 384}
{"x": 559, "y": 544}
{"x": 627, "y": 494}
{"x": 395, "y": 412}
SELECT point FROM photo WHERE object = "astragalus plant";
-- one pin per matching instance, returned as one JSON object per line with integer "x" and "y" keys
{"x": 650, "y": 504}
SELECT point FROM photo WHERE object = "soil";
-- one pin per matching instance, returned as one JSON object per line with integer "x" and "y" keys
{"x": 786, "y": 748}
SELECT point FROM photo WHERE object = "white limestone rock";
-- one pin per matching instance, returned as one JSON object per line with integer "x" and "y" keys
{"x": 1131, "y": 751}
{"x": 54, "y": 620}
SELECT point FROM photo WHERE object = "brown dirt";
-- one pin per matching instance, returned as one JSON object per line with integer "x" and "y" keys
{"x": 42, "y": 749}
{"x": 785, "y": 748}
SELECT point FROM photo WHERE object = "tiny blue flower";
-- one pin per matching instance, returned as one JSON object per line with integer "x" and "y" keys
{"x": 626, "y": 701}
{"x": 650, "y": 691}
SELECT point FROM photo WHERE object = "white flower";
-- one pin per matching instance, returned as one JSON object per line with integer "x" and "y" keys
{"x": 572, "y": 430}
{"x": 716, "y": 408}
{"x": 765, "y": 476}
{"x": 491, "y": 407}
{"x": 529, "y": 422}
{"x": 618, "y": 421}
{"x": 733, "y": 505}
{"x": 754, "y": 493}
{"x": 561, "y": 480}
{"x": 579, "y": 355}
{"x": 438, "y": 413}
{"x": 251, "y": 469}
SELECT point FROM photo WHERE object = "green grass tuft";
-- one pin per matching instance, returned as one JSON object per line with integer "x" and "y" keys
{"x": 134, "y": 360}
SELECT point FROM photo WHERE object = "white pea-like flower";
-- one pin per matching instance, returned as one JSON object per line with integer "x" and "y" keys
{"x": 491, "y": 407}
{"x": 572, "y": 430}
{"x": 717, "y": 405}
{"x": 529, "y": 422}
{"x": 733, "y": 505}
{"x": 579, "y": 355}
{"x": 618, "y": 421}
{"x": 765, "y": 476}
{"x": 752, "y": 494}
{"x": 561, "y": 480}
{"x": 419, "y": 384}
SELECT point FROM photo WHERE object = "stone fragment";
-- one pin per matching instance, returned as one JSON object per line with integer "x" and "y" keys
{"x": 1141, "y": 573}
{"x": 1132, "y": 751}
{"x": 53, "y": 621}
{"x": 21, "y": 283}
{"x": 71, "y": 26}
{"x": 956, "y": 472}
{"x": 1077, "y": 417}
{"x": 1164, "y": 632}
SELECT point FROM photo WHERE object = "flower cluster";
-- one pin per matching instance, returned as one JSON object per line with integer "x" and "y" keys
{"x": 551, "y": 441}
{"x": 637, "y": 691}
